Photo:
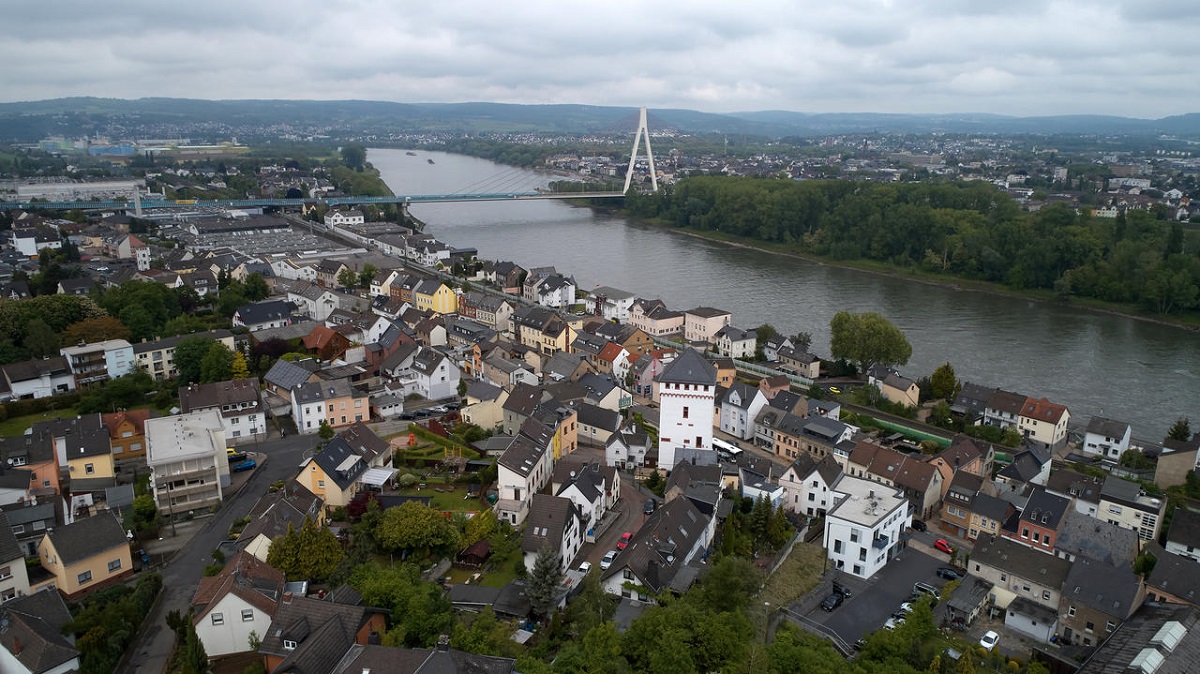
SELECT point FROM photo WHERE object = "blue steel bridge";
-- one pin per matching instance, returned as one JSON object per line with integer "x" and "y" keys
{"x": 133, "y": 204}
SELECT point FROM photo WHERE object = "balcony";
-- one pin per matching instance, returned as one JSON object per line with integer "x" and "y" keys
{"x": 881, "y": 542}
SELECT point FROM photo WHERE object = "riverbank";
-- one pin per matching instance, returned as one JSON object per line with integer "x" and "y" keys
{"x": 915, "y": 275}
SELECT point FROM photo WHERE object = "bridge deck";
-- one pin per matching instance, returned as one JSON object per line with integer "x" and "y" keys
{"x": 332, "y": 201}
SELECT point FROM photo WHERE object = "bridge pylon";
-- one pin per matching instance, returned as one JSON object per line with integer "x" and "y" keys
{"x": 642, "y": 130}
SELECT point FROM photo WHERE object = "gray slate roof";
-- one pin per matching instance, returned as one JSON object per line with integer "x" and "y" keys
{"x": 85, "y": 537}
{"x": 33, "y": 633}
{"x": 1134, "y": 636}
{"x": 1108, "y": 589}
{"x": 689, "y": 368}
{"x": 287, "y": 375}
{"x": 1082, "y": 534}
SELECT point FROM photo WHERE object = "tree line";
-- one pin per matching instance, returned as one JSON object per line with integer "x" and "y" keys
{"x": 966, "y": 230}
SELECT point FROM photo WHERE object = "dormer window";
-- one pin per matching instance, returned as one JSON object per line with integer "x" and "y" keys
{"x": 289, "y": 645}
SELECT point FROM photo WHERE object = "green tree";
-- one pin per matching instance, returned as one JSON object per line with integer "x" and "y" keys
{"x": 257, "y": 288}
{"x": 417, "y": 527}
{"x": 311, "y": 553}
{"x": 238, "y": 368}
{"x": 354, "y": 155}
{"x": 347, "y": 278}
{"x": 143, "y": 515}
{"x": 189, "y": 354}
{"x": 867, "y": 339}
{"x": 943, "y": 382}
{"x": 366, "y": 275}
{"x": 1180, "y": 430}
{"x": 325, "y": 431}
{"x": 40, "y": 340}
{"x": 217, "y": 364}
{"x": 542, "y": 585}
{"x": 480, "y": 527}
{"x": 801, "y": 341}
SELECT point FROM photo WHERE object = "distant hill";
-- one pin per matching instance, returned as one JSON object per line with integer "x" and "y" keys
{"x": 156, "y": 117}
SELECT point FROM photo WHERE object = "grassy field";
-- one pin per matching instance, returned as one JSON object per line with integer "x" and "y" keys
{"x": 798, "y": 574}
{"x": 18, "y": 425}
{"x": 452, "y": 499}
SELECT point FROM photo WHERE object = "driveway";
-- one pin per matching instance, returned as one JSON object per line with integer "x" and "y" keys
{"x": 874, "y": 600}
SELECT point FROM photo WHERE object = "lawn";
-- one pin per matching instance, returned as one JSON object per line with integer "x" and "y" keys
{"x": 798, "y": 574}
{"x": 18, "y": 425}
{"x": 451, "y": 499}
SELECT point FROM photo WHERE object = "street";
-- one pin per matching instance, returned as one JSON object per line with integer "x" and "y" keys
{"x": 149, "y": 652}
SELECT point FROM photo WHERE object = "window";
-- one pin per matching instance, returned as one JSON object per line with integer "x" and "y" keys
{"x": 18, "y": 528}
{"x": 1091, "y": 626}
{"x": 1025, "y": 532}
{"x": 247, "y": 615}
{"x": 85, "y": 577}
{"x": 685, "y": 412}
{"x": 1111, "y": 626}
{"x": 5, "y": 573}
{"x": 1046, "y": 594}
{"x": 218, "y": 618}
{"x": 1071, "y": 611}
{"x": 114, "y": 565}
{"x": 321, "y": 484}
{"x": 837, "y": 547}
{"x": 854, "y": 535}
{"x": 89, "y": 468}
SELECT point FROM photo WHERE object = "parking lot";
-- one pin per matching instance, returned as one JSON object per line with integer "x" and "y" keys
{"x": 874, "y": 600}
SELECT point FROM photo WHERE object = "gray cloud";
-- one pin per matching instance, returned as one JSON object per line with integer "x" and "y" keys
{"x": 1019, "y": 57}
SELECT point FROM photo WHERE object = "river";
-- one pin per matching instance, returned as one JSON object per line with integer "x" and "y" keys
{"x": 1095, "y": 363}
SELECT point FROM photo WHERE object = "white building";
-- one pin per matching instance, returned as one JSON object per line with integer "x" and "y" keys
{"x": 687, "y": 401}
{"x": 739, "y": 409}
{"x": 611, "y": 303}
{"x": 241, "y": 599}
{"x": 523, "y": 470}
{"x": 344, "y": 218}
{"x": 555, "y": 522}
{"x": 808, "y": 486}
{"x": 189, "y": 469}
{"x": 1106, "y": 438}
{"x": 38, "y": 378}
{"x": 237, "y": 401}
{"x": 99, "y": 361}
{"x": 733, "y": 342}
{"x": 862, "y": 531}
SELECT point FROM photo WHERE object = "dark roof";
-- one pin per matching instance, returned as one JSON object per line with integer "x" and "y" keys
{"x": 265, "y": 311}
{"x": 1073, "y": 484}
{"x": 1006, "y": 401}
{"x": 1081, "y": 534}
{"x": 1136, "y": 636}
{"x": 220, "y": 394}
{"x": 337, "y": 453}
{"x": 1021, "y": 561}
{"x": 972, "y": 398}
{"x": 275, "y": 511}
{"x": 1045, "y": 509}
{"x": 1025, "y": 467}
{"x": 323, "y": 632}
{"x": 32, "y": 631}
{"x": 85, "y": 537}
{"x": 420, "y": 661}
{"x": 1185, "y": 528}
{"x": 286, "y": 375}
{"x": 598, "y": 417}
{"x": 548, "y": 520}
{"x": 689, "y": 368}
{"x": 1107, "y": 427}
{"x": 9, "y": 548}
{"x": 1110, "y": 590}
{"x": 522, "y": 455}
{"x": 1174, "y": 574}
{"x": 35, "y": 369}
{"x": 656, "y": 553}
{"x": 989, "y": 506}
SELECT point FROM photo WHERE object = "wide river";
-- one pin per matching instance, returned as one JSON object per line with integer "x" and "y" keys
{"x": 1095, "y": 363}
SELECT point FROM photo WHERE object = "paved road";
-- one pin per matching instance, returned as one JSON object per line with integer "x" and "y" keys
{"x": 152, "y": 647}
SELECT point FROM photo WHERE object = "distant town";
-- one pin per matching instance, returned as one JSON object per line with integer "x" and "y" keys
{"x": 393, "y": 454}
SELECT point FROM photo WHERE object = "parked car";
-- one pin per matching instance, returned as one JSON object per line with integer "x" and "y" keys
{"x": 842, "y": 590}
{"x": 893, "y": 623}
{"x": 234, "y": 458}
{"x": 989, "y": 640}
{"x": 832, "y": 601}
{"x": 919, "y": 525}
{"x": 624, "y": 542}
{"x": 949, "y": 573}
{"x": 927, "y": 589}
{"x": 942, "y": 545}
{"x": 905, "y": 608}
{"x": 608, "y": 559}
{"x": 248, "y": 464}
{"x": 585, "y": 567}
{"x": 453, "y": 406}
{"x": 649, "y": 507}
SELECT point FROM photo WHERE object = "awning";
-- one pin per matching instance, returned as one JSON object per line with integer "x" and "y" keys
{"x": 376, "y": 477}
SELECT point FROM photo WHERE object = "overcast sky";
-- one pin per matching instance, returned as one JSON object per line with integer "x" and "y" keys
{"x": 1021, "y": 57}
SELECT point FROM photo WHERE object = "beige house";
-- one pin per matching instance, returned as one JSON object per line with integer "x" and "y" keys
{"x": 702, "y": 323}
{"x": 189, "y": 468}
{"x": 84, "y": 556}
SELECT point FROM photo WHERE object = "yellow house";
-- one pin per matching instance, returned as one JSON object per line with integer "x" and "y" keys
{"x": 84, "y": 556}
{"x": 88, "y": 452}
{"x": 334, "y": 474}
{"x": 433, "y": 295}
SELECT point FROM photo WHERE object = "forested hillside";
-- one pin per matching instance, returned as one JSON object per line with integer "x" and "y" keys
{"x": 966, "y": 230}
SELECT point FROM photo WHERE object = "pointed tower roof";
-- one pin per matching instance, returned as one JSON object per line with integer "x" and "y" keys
{"x": 689, "y": 368}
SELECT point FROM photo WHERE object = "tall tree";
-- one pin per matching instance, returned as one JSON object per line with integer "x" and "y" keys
{"x": 40, "y": 339}
{"x": 417, "y": 527}
{"x": 943, "y": 382}
{"x": 347, "y": 278}
{"x": 189, "y": 353}
{"x": 217, "y": 364}
{"x": 257, "y": 288}
{"x": 310, "y": 553}
{"x": 1180, "y": 430}
{"x": 542, "y": 585}
{"x": 867, "y": 339}
{"x": 238, "y": 368}
{"x": 95, "y": 330}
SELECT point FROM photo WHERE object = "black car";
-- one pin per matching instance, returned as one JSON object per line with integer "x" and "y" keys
{"x": 832, "y": 601}
{"x": 838, "y": 588}
{"x": 919, "y": 525}
{"x": 949, "y": 573}
{"x": 648, "y": 508}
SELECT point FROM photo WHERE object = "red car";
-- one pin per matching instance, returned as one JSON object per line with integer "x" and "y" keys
{"x": 624, "y": 542}
{"x": 942, "y": 545}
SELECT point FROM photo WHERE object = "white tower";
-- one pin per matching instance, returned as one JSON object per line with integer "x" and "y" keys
{"x": 637, "y": 137}
{"x": 687, "y": 391}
